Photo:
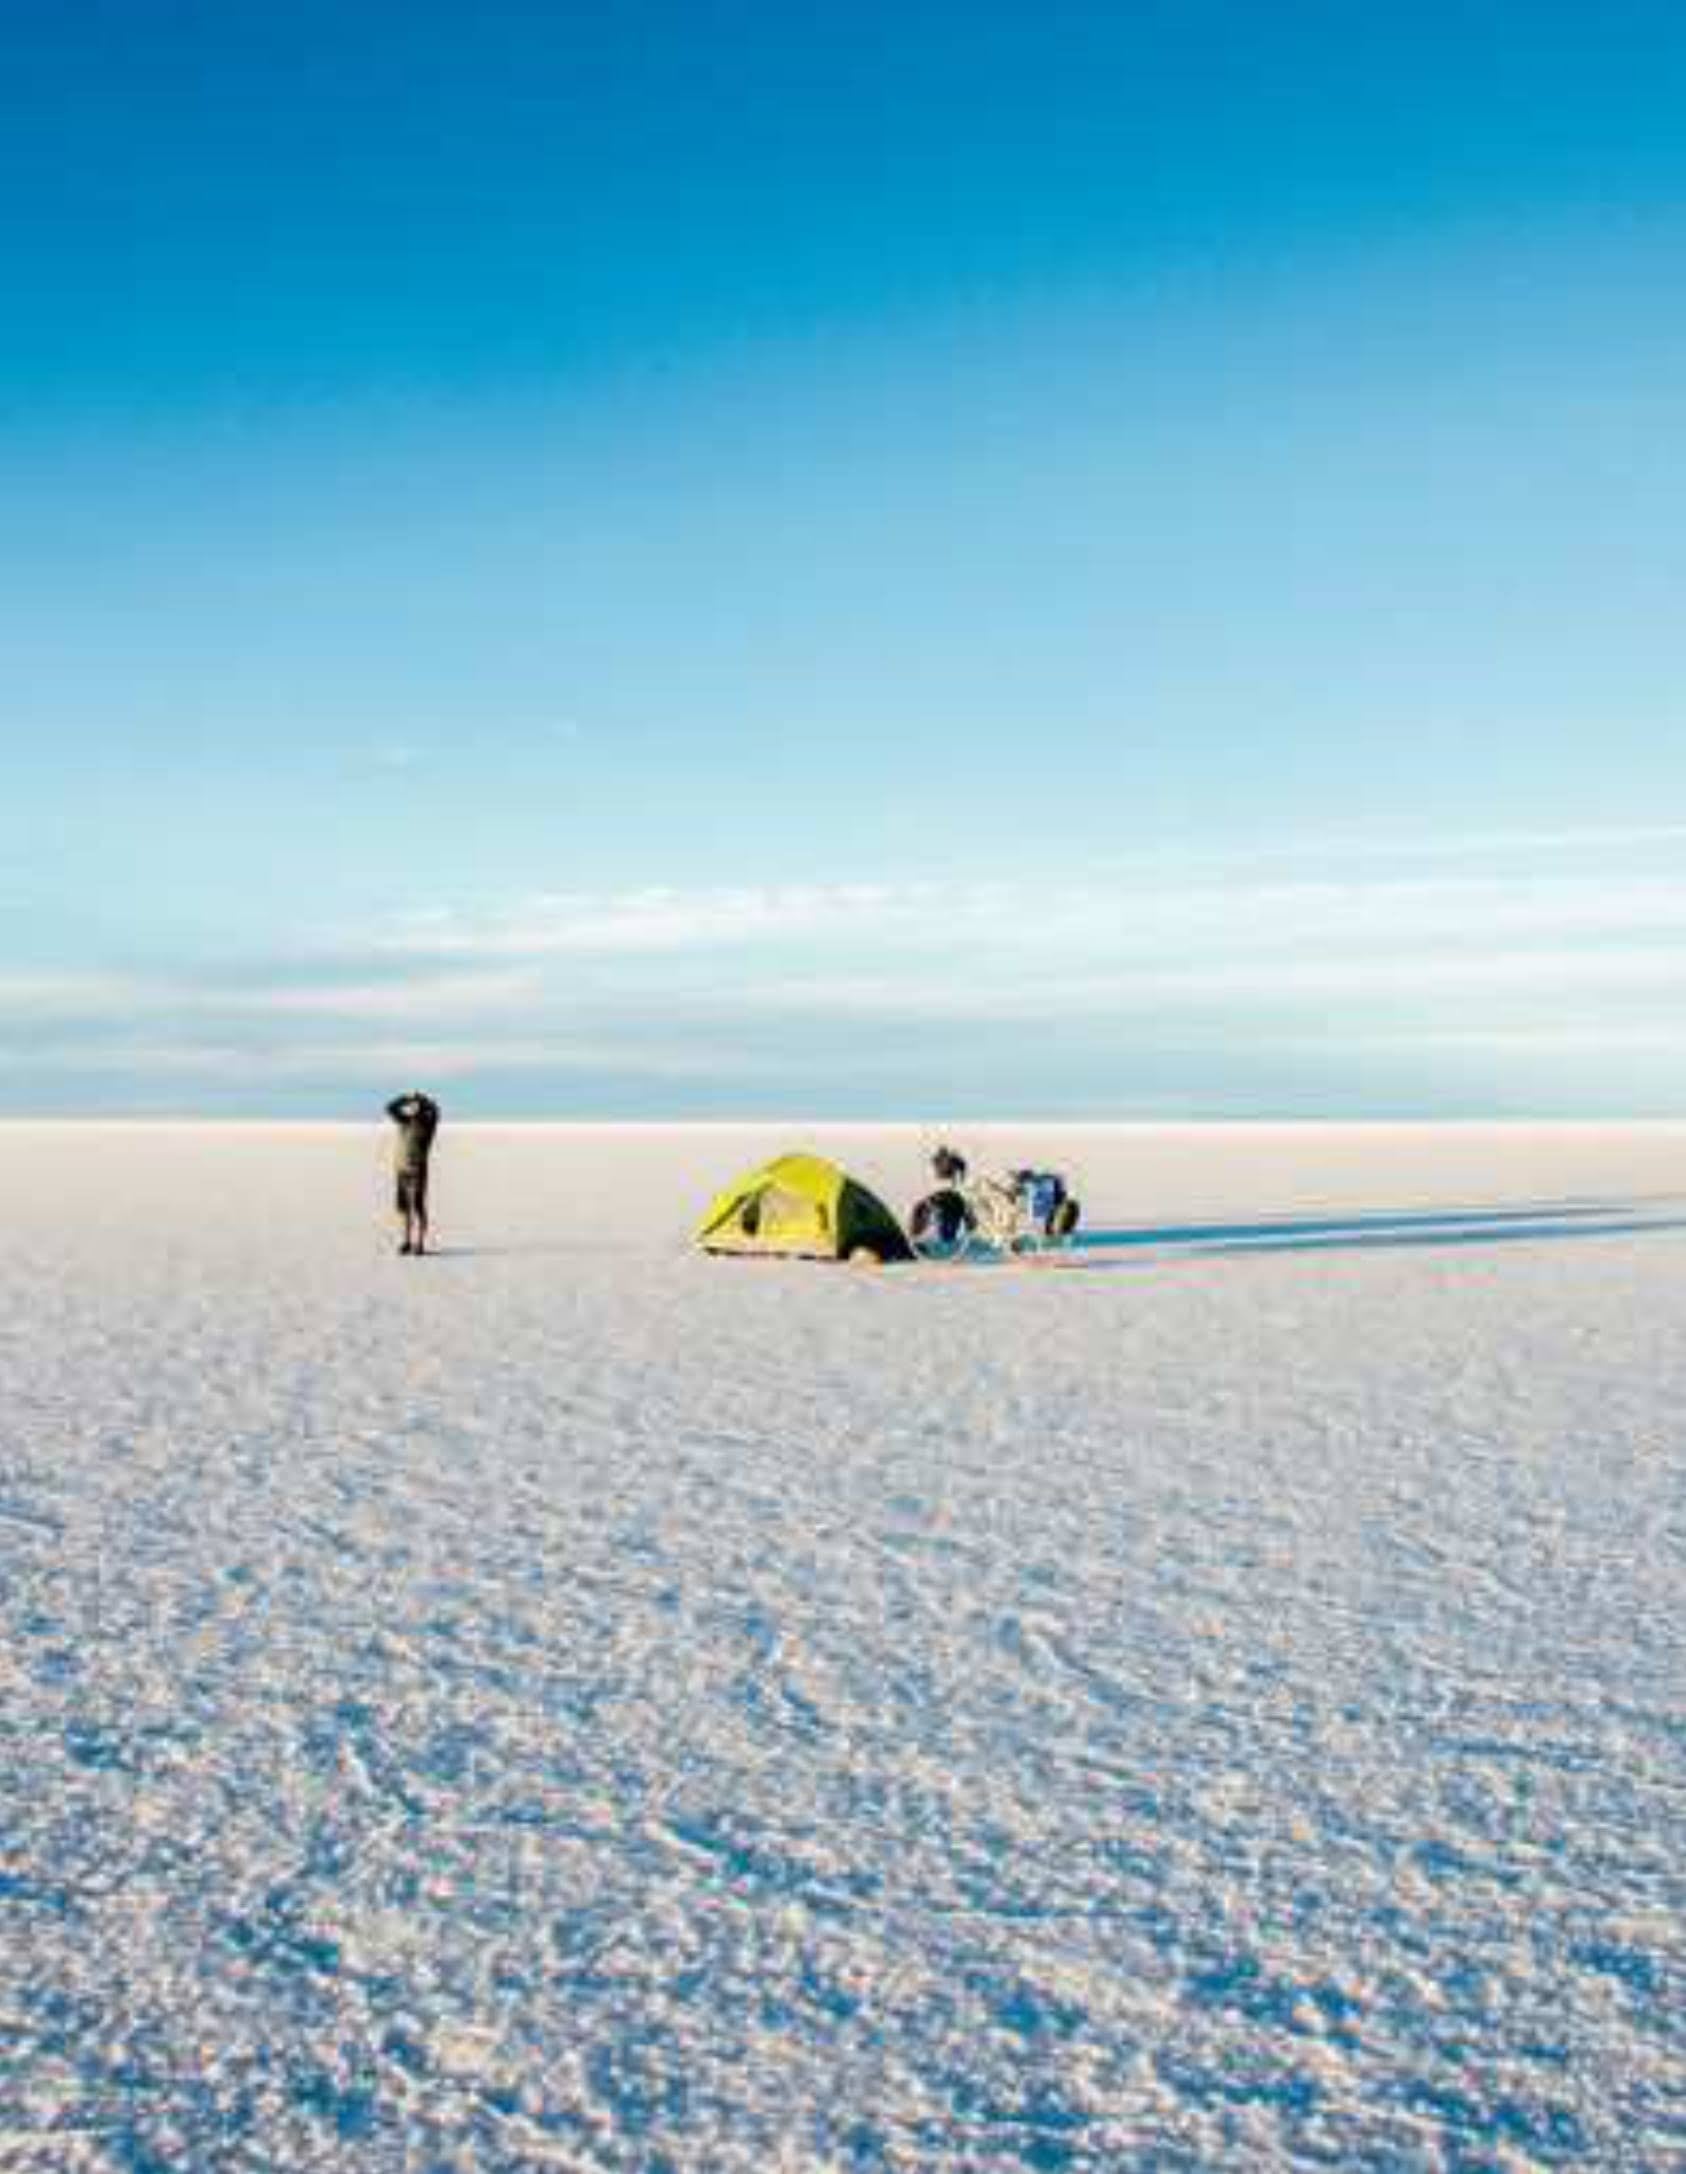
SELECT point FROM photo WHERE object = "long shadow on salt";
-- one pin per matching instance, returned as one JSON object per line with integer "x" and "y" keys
{"x": 1370, "y": 1230}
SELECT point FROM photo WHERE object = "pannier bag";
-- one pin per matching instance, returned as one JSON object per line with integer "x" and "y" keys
{"x": 1047, "y": 1202}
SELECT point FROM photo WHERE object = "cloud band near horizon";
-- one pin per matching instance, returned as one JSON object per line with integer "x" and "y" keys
{"x": 1550, "y": 979}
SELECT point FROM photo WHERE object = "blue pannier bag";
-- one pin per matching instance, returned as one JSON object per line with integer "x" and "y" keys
{"x": 1043, "y": 1193}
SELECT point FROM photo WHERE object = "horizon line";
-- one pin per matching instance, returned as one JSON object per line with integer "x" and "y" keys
{"x": 189, "y": 1120}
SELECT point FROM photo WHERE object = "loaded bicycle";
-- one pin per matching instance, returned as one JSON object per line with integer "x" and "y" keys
{"x": 1024, "y": 1212}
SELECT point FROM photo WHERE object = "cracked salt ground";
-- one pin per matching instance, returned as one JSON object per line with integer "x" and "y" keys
{"x": 1212, "y": 1701}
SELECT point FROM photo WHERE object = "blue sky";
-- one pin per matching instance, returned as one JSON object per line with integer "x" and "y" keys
{"x": 889, "y": 561}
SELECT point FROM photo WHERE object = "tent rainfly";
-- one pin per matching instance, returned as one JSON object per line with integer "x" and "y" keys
{"x": 802, "y": 1205}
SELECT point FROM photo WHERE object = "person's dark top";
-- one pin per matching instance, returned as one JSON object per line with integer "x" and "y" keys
{"x": 417, "y": 1119}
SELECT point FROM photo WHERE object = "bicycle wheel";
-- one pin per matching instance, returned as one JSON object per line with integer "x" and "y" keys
{"x": 1062, "y": 1226}
{"x": 942, "y": 1230}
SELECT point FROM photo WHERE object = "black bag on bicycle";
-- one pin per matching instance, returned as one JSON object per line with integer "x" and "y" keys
{"x": 942, "y": 1217}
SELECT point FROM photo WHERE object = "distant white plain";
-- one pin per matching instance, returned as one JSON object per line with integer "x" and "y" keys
{"x": 1214, "y": 1700}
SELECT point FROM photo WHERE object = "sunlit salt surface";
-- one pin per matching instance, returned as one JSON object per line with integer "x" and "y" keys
{"x": 1212, "y": 1700}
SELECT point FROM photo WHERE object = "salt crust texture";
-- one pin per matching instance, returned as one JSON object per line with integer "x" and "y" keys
{"x": 1213, "y": 1701}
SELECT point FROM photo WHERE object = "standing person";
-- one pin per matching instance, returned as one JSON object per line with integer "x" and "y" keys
{"x": 417, "y": 1119}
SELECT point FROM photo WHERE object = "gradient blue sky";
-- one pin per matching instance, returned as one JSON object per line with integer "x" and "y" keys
{"x": 870, "y": 560}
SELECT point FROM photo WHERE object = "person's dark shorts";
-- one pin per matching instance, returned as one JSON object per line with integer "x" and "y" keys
{"x": 412, "y": 1192}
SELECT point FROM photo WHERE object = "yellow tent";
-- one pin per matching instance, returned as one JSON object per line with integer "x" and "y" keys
{"x": 803, "y": 1205}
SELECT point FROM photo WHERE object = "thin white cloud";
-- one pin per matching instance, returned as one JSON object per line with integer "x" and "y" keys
{"x": 71, "y": 995}
{"x": 1360, "y": 980}
{"x": 652, "y": 919}
{"x": 1596, "y": 1038}
{"x": 96, "y": 998}
{"x": 367, "y": 1062}
{"x": 421, "y": 996}
{"x": 1096, "y": 918}
{"x": 1381, "y": 845}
